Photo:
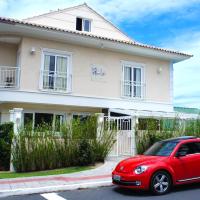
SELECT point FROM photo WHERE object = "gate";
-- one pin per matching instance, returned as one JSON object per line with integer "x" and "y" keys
{"x": 124, "y": 137}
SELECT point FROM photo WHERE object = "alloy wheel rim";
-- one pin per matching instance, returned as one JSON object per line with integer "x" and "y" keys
{"x": 161, "y": 183}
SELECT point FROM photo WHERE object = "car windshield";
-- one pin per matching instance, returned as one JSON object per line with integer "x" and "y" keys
{"x": 163, "y": 148}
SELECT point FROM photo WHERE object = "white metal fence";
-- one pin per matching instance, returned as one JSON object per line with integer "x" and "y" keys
{"x": 133, "y": 89}
{"x": 9, "y": 77}
{"x": 54, "y": 81}
{"x": 124, "y": 138}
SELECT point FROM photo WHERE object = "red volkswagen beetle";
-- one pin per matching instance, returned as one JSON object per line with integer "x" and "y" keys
{"x": 167, "y": 163}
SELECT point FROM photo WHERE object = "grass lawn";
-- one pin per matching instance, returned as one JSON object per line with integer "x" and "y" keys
{"x": 44, "y": 173}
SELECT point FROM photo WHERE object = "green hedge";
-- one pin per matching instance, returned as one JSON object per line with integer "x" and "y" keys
{"x": 168, "y": 129}
{"x": 6, "y": 135}
{"x": 76, "y": 144}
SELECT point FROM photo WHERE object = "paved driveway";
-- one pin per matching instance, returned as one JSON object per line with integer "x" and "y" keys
{"x": 191, "y": 192}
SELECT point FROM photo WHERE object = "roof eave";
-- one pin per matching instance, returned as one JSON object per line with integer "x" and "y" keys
{"x": 27, "y": 29}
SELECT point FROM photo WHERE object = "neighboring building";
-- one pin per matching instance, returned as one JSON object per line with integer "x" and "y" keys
{"x": 185, "y": 110}
{"x": 74, "y": 62}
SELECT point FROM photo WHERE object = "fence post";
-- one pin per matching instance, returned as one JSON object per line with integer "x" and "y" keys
{"x": 134, "y": 121}
{"x": 100, "y": 122}
{"x": 16, "y": 118}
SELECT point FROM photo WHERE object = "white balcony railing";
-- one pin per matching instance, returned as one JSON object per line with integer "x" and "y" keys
{"x": 56, "y": 81}
{"x": 9, "y": 77}
{"x": 133, "y": 89}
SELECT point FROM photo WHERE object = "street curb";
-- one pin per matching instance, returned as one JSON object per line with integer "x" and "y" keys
{"x": 56, "y": 188}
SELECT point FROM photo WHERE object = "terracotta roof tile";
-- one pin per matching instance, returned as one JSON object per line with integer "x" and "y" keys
{"x": 15, "y": 21}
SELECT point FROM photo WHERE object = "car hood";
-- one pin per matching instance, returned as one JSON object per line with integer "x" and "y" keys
{"x": 130, "y": 164}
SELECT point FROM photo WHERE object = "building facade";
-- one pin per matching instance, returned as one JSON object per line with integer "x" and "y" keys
{"x": 73, "y": 62}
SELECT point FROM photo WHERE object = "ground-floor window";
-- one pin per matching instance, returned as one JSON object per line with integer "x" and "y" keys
{"x": 148, "y": 124}
{"x": 36, "y": 119}
{"x": 81, "y": 117}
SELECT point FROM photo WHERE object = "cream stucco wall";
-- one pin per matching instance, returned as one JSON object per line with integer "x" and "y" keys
{"x": 66, "y": 19}
{"x": 8, "y": 54}
{"x": 5, "y": 107}
{"x": 47, "y": 108}
{"x": 157, "y": 85}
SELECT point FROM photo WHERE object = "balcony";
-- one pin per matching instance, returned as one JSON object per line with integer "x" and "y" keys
{"x": 133, "y": 89}
{"x": 54, "y": 81}
{"x": 9, "y": 77}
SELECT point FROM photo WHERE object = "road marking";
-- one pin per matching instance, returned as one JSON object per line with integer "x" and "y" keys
{"x": 52, "y": 196}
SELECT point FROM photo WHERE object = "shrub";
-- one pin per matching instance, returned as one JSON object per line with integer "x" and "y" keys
{"x": 6, "y": 135}
{"x": 85, "y": 155}
{"x": 104, "y": 143}
{"x": 76, "y": 144}
{"x": 42, "y": 149}
{"x": 168, "y": 129}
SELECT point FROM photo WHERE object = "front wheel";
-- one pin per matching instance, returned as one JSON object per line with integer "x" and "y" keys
{"x": 161, "y": 183}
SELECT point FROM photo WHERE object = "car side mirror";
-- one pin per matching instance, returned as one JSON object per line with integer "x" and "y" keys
{"x": 181, "y": 153}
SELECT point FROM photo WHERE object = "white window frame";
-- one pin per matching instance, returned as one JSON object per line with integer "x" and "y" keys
{"x": 83, "y": 24}
{"x": 45, "y": 112}
{"x": 143, "y": 87}
{"x": 54, "y": 52}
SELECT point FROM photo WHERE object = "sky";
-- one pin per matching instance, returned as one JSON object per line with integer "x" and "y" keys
{"x": 173, "y": 24}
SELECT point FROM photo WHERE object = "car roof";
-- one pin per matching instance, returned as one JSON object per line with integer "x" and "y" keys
{"x": 180, "y": 139}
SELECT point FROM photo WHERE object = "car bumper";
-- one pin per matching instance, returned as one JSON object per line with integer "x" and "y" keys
{"x": 131, "y": 180}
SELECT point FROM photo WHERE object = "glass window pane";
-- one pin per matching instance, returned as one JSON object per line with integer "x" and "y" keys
{"x": 28, "y": 120}
{"x": 189, "y": 148}
{"x": 198, "y": 147}
{"x": 127, "y": 73}
{"x": 58, "y": 122}
{"x": 61, "y": 65}
{"x": 127, "y": 81}
{"x": 137, "y": 75}
{"x": 82, "y": 118}
{"x": 87, "y": 25}
{"x": 52, "y": 64}
{"x": 46, "y": 62}
{"x": 163, "y": 148}
{"x": 137, "y": 82}
{"x": 61, "y": 76}
{"x": 43, "y": 118}
{"x": 49, "y": 72}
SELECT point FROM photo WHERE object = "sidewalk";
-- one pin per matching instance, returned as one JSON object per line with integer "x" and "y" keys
{"x": 100, "y": 176}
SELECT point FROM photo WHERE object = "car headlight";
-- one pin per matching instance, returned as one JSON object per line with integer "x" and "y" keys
{"x": 140, "y": 169}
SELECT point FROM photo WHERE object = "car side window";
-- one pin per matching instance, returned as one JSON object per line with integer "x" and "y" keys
{"x": 197, "y": 144}
{"x": 189, "y": 148}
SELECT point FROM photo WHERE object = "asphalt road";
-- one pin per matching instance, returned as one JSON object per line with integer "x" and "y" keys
{"x": 189, "y": 192}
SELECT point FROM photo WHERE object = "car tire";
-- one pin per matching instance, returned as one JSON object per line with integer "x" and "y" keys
{"x": 161, "y": 183}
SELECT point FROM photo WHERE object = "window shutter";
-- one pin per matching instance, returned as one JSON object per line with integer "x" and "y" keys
{"x": 78, "y": 24}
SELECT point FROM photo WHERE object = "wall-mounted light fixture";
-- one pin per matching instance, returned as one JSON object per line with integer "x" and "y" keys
{"x": 101, "y": 45}
{"x": 159, "y": 70}
{"x": 32, "y": 51}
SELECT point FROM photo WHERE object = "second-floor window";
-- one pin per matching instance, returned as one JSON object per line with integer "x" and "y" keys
{"x": 83, "y": 24}
{"x": 56, "y": 72}
{"x": 132, "y": 81}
